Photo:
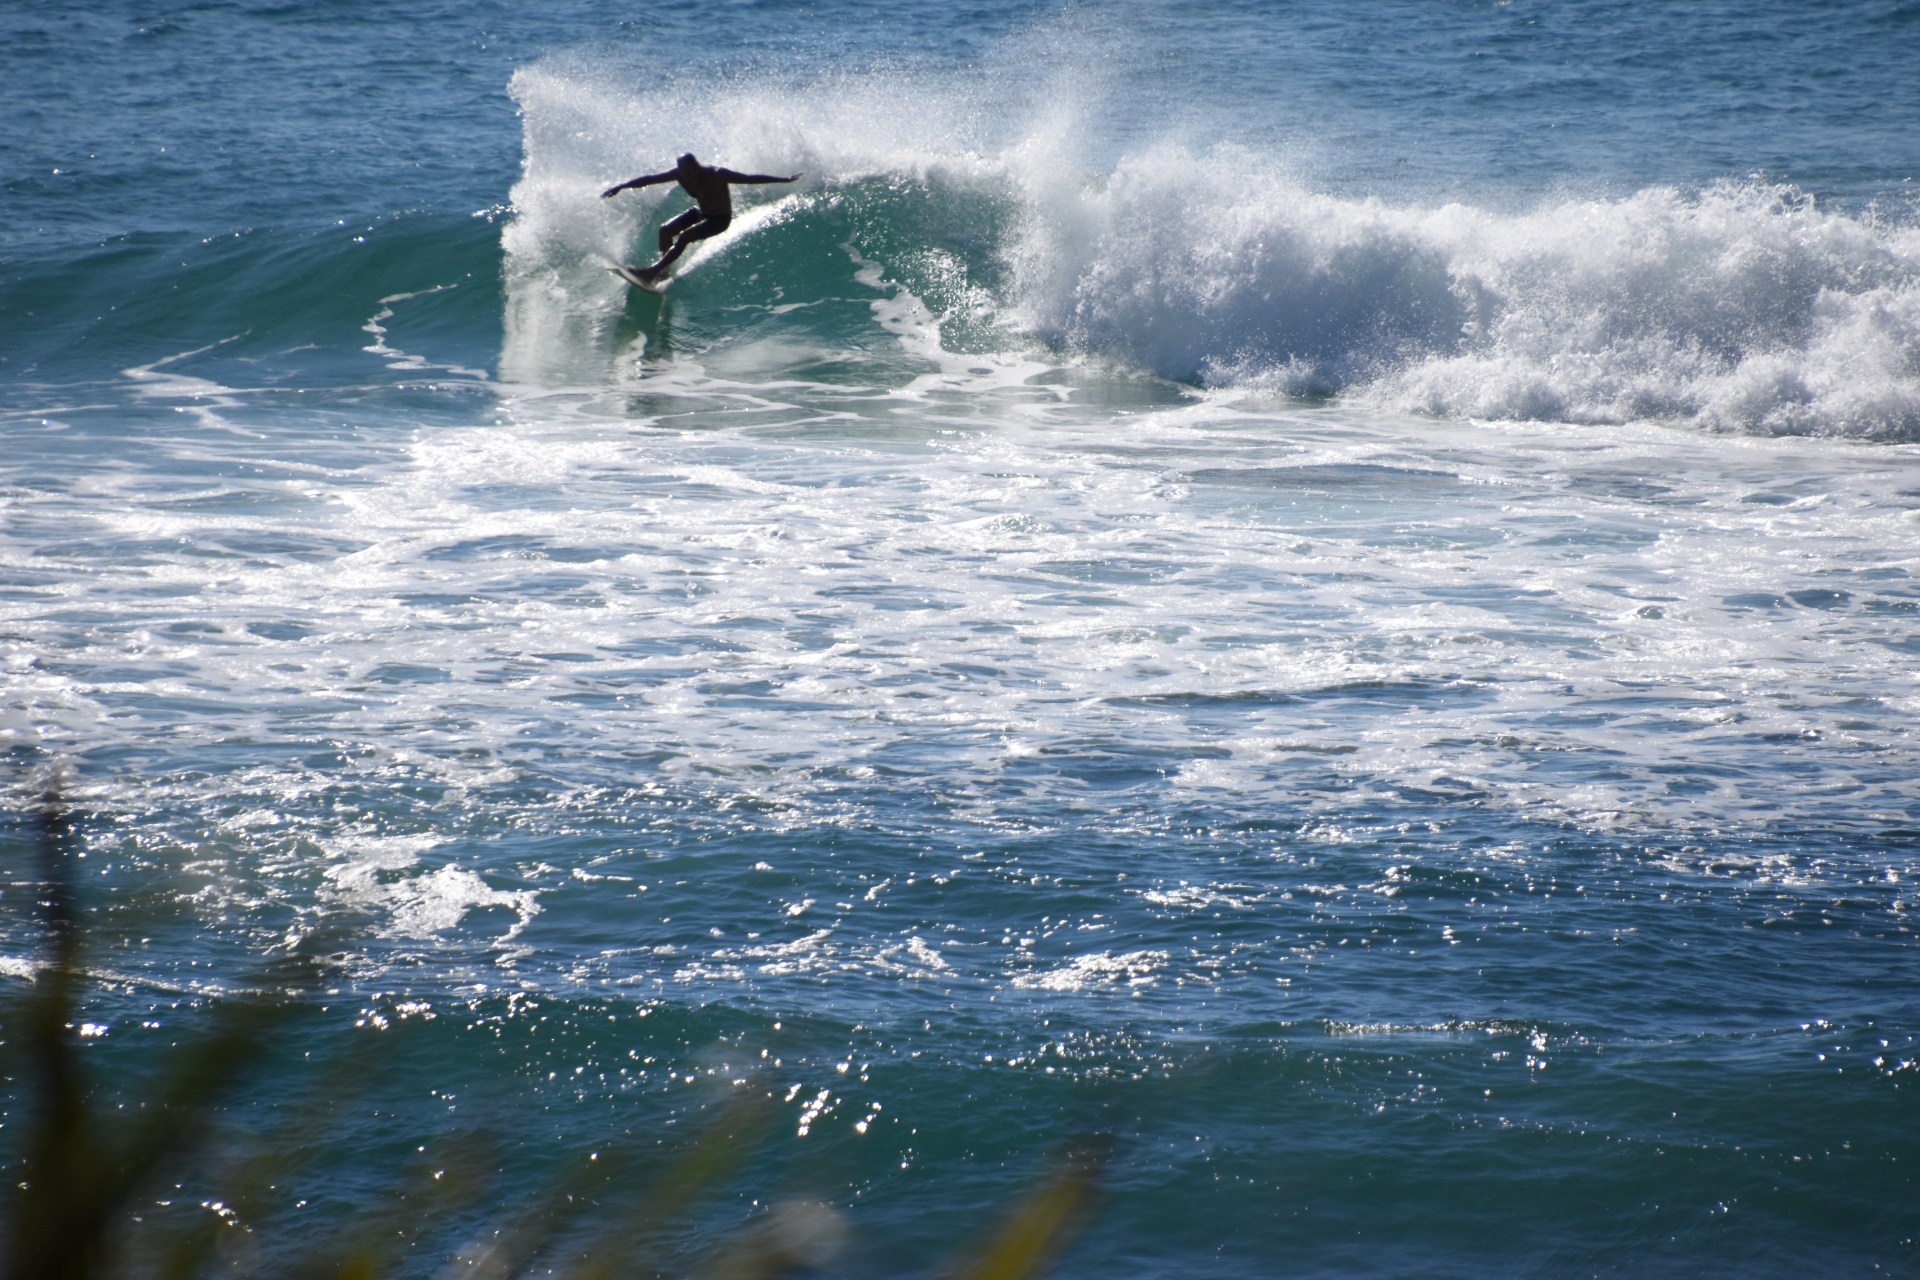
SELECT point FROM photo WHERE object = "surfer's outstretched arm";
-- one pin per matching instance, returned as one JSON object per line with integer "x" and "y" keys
{"x": 648, "y": 180}
{"x": 733, "y": 177}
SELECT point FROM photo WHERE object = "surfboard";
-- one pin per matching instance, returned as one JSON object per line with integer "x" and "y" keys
{"x": 633, "y": 277}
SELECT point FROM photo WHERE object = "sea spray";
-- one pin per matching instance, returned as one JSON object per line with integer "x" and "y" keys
{"x": 1741, "y": 307}
{"x": 1204, "y": 267}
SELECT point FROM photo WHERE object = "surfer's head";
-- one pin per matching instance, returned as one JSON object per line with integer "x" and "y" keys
{"x": 687, "y": 164}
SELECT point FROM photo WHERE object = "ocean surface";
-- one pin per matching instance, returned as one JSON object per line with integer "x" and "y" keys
{"x": 1328, "y": 593}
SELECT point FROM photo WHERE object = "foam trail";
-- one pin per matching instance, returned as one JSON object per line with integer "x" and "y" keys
{"x": 743, "y": 226}
{"x": 404, "y": 360}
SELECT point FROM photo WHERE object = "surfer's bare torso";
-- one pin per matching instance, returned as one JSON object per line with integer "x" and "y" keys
{"x": 712, "y": 192}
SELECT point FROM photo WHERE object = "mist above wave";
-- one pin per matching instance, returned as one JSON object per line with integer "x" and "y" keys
{"x": 1738, "y": 306}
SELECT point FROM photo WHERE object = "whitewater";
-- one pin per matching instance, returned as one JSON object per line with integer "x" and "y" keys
{"x": 1328, "y": 600}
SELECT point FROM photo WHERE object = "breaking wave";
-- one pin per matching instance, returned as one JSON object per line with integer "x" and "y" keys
{"x": 1737, "y": 307}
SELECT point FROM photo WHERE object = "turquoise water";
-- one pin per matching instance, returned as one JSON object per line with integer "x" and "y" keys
{"x": 1327, "y": 592}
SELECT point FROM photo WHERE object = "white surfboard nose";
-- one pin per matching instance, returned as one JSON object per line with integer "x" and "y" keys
{"x": 633, "y": 276}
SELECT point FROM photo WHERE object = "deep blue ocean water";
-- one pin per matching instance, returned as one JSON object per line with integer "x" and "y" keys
{"x": 1328, "y": 591}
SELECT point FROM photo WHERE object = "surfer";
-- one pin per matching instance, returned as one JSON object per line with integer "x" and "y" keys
{"x": 713, "y": 211}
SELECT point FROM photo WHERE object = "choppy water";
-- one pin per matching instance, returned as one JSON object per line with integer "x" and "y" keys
{"x": 1331, "y": 593}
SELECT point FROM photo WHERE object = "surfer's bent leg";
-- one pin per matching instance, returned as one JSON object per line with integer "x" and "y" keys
{"x": 698, "y": 231}
{"x": 674, "y": 226}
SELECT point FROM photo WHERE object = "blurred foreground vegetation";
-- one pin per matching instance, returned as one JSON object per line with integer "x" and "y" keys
{"x": 165, "y": 1182}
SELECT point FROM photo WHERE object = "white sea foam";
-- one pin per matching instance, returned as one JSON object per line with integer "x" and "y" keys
{"x": 418, "y": 906}
{"x": 996, "y": 598}
{"x": 425, "y": 905}
{"x": 1741, "y": 307}
{"x": 1132, "y": 969}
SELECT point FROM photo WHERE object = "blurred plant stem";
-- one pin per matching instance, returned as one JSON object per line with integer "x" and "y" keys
{"x": 1033, "y": 1235}
{"x": 79, "y": 1168}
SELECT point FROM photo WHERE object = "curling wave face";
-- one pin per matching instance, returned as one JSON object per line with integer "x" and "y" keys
{"x": 1738, "y": 307}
